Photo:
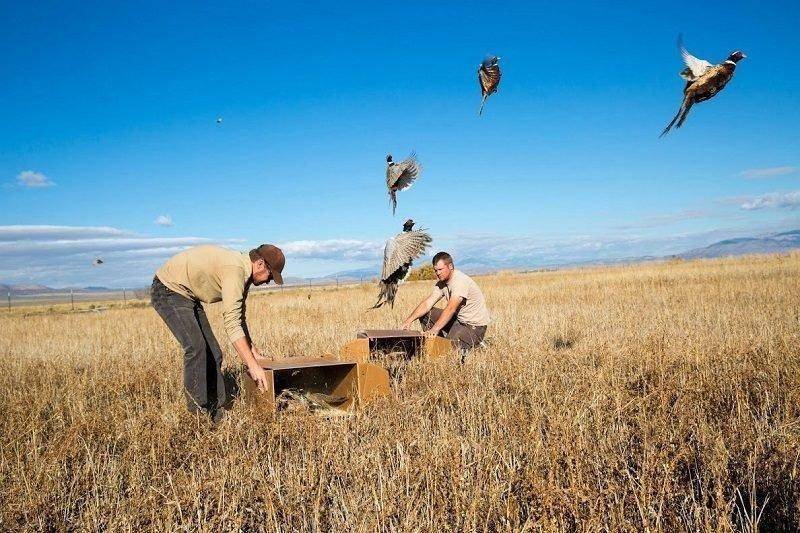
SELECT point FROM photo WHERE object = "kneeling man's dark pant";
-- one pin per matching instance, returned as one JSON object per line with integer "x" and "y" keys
{"x": 466, "y": 336}
{"x": 202, "y": 357}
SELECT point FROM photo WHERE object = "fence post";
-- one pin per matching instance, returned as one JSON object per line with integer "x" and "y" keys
{"x": 337, "y": 282}
{"x": 124, "y": 297}
{"x": 9, "y": 300}
{"x": 72, "y": 299}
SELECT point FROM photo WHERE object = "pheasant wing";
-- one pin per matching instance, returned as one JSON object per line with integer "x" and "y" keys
{"x": 695, "y": 67}
{"x": 403, "y": 248}
{"x": 388, "y": 252}
{"x": 393, "y": 172}
{"x": 407, "y": 172}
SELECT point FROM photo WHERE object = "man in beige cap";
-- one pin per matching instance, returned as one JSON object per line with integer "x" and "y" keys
{"x": 208, "y": 274}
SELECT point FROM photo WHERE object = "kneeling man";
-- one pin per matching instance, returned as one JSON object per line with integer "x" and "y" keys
{"x": 464, "y": 318}
{"x": 208, "y": 274}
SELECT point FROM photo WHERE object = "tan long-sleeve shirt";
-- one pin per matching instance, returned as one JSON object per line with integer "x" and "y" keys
{"x": 212, "y": 274}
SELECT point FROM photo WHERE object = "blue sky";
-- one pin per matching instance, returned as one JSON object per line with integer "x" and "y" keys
{"x": 110, "y": 123}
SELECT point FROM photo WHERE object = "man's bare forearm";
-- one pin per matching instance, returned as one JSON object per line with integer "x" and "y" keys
{"x": 419, "y": 311}
{"x": 244, "y": 349}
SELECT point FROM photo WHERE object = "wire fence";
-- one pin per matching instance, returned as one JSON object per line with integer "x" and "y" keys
{"x": 72, "y": 297}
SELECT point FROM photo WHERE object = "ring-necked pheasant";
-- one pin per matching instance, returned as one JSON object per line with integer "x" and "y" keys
{"x": 400, "y": 176}
{"x": 398, "y": 255}
{"x": 488, "y": 78}
{"x": 703, "y": 81}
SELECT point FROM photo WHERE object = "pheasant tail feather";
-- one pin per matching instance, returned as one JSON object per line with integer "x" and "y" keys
{"x": 679, "y": 117}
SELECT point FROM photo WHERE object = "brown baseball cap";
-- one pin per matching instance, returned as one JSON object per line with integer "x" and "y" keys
{"x": 274, "y": 258}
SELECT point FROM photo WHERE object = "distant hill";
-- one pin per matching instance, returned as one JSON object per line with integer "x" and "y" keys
{"x": 352, "y": 275}
{"x": 29, "y": 289}
{"x": 25, "y": 289}
{"x": 767, "y": 244}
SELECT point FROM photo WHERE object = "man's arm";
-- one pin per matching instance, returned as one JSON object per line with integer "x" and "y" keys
{"x": 447, "y": 315}
{"x": 423, "y": 307}
{"x": 245, "y": 351}
{"x": 234, "y": 293}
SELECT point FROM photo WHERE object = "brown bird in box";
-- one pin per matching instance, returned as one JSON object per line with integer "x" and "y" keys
{"x": 324, "y": 381}
{"x": 410, "y": 343}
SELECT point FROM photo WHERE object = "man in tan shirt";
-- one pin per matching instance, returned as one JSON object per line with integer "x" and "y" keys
{"x": 209, "y": 274}
{"x": 464, "y": 318}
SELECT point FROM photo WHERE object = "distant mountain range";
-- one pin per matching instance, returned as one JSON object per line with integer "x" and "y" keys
{"x": 767, "y": 244}
{"x": 353, "y": 275}
{"x": 31, "y": 289}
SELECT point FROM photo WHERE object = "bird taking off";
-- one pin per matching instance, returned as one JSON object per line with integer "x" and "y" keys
{"x": 703, "y": 81}
{"x": 97, "y": 261}
{"x": 488, "y": 78}
{"x": 400, "y": 251}
{"x": 400, "y": 176}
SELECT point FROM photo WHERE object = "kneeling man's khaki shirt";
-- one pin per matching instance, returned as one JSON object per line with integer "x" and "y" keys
{"x": 473, "y": 311}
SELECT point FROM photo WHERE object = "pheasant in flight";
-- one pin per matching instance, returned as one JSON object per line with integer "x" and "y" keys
{"x": 703, "y": 81}
{"x": 400, "y": 176}
{"x": 398, "y": 255}
{"x": 488, "y": 78}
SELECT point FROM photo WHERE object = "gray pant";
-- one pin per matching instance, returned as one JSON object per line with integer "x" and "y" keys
{"x": 203, "y": 382}
{"x": 466, "y": 336}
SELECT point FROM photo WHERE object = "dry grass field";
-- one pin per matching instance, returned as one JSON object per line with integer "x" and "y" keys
{"x": 659, "y": 397}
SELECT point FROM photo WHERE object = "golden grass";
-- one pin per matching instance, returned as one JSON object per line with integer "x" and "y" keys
{"x": 662, "y": 397}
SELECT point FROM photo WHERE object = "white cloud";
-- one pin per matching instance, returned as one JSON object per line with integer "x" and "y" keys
{"x": 62, "y": 255}
{"x": 77, "y": 246}
{"x": 164, "y": 220}
{"x": 786, "y": 200}
{"x": 31, "y": 179}
{"x": 507, "y": 251}
{"x": 666, "y": 219}
{"x": 333, "y": 249}
{"x": 756, "y": 173}
{"x": 49, "y": 233}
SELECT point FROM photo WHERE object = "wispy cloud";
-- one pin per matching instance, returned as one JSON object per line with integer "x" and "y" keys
{"x": 50, "y": 233}
{"x": 549, "y": 250}
{"x": 78, "y": 246}
{"x": 33, "y": 180}
{"x": 773, "y": 200}
{"x": 769, "y": 172}
{"x": 62, "y": 255}
{"x": 654, "y": 221}
{"x": 333, "y": 249}
{"x": 164, "y": 220}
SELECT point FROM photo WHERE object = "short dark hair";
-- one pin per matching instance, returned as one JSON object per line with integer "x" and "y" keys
{"x": 442, "y": 256}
